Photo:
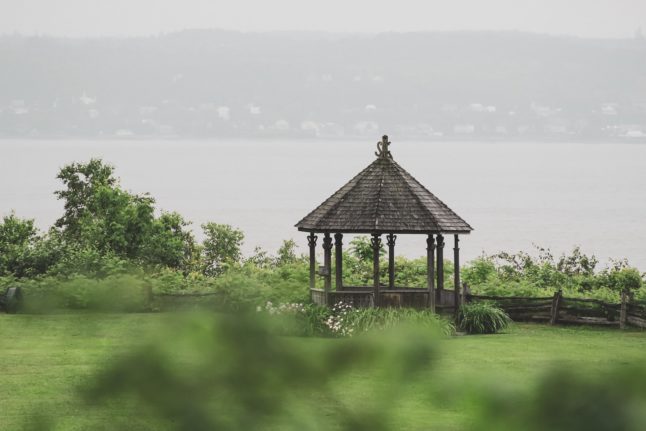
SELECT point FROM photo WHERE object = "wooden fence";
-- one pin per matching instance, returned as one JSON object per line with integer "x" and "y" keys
{"x": 363, "y": 296}
{"x": 560, "y": 309}
{"x": 548, "y": 309}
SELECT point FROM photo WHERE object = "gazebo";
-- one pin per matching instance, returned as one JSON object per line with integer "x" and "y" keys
{"x": 384, "y": 199}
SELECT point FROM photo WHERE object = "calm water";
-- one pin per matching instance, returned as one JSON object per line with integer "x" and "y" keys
{"x": 555, "y": 195}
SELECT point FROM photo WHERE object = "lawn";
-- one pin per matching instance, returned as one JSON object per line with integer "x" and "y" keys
{"x": 44, "y": 359}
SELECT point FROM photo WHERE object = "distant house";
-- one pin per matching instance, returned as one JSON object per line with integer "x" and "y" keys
{"x": 366, "y": 128}
{"x": 500, "y": 130}
{"x": 464, "y": 129}
{"x": 281, "y": 126}
{"x": 556, "y": 127}
{"x": 609, "y": 108}
{"x": 123, "y": 133}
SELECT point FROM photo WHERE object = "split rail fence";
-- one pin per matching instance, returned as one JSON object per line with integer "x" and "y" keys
{"x": 549, "y": 309}
{"x": 561, "y": 309}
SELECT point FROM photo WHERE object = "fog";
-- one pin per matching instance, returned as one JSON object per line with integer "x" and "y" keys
{"x": 431, "y": 85}
{"x": 258, "y": 73}
{"x": 156, "y": 157}
{"x": 585, "y": 18}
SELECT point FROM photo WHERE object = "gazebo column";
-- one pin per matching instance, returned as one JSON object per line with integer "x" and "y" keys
{"x": 376, "y": 247}
{"x": 430, "y": 271}
{"x": 327, "y": 262}
{"x": 440, "y": 268}
{"x": 311, "y": 242}
{"x": 456, "y": 273}
{"x": 390, "y": 240}
{"x": 338, "y": 257}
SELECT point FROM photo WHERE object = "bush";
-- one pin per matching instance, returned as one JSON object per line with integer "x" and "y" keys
{"x": 296, "y": 318}
{"x": 117, "y": 293}
{"x": 344, "y": 320}
{"x": 369, "y": 319}
{"x": 482, "y": 318}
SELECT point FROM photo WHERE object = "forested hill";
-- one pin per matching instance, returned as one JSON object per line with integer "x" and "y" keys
{"x": 216, "y": 82}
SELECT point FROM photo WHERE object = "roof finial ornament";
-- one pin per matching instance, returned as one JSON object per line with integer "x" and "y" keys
{"x": 382, "y": 148}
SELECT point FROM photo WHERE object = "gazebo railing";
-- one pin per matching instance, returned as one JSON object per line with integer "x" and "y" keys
{"x": 318, "y": 296}
{"x": 356, "y": 298}
{"x": 354, "y": 288}
{"x": 363, "y": 296}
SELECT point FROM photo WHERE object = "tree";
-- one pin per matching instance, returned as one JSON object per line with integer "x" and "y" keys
{"x": 361, "y": 248}
{"x": 81, "y": 180}
{"x": 221, "y": 247}
{"x": 286, "y": 252}
{"x": 577, "y": 263}
{"x": 102, "y": 216}
{"x": 17, "y": 238}
{"x": 116, "y": 221}
{"x": 621, "y": 277}
{"x": 169, "y": 243}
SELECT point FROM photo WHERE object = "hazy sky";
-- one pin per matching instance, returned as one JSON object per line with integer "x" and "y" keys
{"x": 587, "y": 18}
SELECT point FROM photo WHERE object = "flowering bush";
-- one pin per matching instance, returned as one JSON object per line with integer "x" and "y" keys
{"x": 344, "y": 320}
{"x": 296, "y": 318}
{"x": 341, "y": 320}
{"x": 282, "y": 309}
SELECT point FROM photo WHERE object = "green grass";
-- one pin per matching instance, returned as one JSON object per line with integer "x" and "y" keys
{"x": 44, "y": 359}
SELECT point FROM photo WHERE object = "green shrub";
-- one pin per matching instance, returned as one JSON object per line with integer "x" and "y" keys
{"x": 482, "y": 318}
{"x": 296, "y": 319}
{"x": 344, "y": 320}
{"x": 118, "y": 293}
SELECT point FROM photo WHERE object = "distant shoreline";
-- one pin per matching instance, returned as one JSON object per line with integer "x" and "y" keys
{"x": 474, "y": 139}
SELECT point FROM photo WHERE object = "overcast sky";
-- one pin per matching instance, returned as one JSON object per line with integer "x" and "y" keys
{"x": 586, "y": 18}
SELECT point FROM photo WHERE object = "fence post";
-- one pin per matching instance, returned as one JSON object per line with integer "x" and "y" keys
{"x": 556, "y": 303}
{"x": 623, "y": 314}
{"x": 148, "y": 296}
{"x": 465, "y": 292}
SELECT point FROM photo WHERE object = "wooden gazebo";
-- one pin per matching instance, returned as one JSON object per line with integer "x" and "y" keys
{"x": 384, "y": 199}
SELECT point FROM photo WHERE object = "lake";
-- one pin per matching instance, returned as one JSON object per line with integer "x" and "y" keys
{"x": 514, "y": 194}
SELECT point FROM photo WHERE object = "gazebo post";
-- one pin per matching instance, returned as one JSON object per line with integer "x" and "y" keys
{"x": 338, "y": 257}
{"x": 390, "y": 240}
{"x": 430, "y": 271}
{"x": 327, "y": 262}
{"x": 456, "y": 273}
{"x": 376, "y": 247}
{"x": 311, "y": 242}
{"x": 440, "y": 268}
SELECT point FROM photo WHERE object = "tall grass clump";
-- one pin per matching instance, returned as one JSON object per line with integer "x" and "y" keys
{"x": 344, "y": 320}
{"x": 369, "y": 319}
{"x": 482, "y": 318}
{"x": 296, "y": 319}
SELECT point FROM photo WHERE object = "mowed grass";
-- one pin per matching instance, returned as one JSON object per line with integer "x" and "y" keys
{"x": 45, "y": 359}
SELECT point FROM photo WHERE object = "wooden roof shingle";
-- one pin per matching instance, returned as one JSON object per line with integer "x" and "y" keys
{"x": 383, "y": 198}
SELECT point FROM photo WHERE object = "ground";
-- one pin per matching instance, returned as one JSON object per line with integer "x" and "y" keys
{"x": 44, "y": 359}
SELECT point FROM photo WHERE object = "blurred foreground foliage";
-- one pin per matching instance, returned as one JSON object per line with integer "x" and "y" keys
{"x": 232, "y": 372}
{"x": 570, "y": 400}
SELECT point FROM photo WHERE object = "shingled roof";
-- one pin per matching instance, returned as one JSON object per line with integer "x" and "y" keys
{"x": 383, "y": 198}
